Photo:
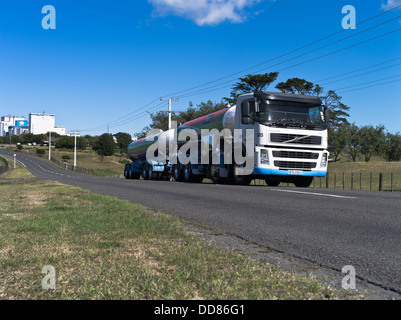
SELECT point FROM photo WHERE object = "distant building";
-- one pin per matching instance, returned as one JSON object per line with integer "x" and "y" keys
{"x": 43, "y": 123}
{"x": 11, "y": 121}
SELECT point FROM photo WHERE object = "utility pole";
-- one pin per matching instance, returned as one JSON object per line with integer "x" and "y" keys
{"x": 169, "y": 109}
{"x": 50, "y": 145}
{"x": 75, "y": 148}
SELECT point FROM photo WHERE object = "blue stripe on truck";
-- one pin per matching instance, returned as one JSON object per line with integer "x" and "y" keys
{"x": 264, "y": 171}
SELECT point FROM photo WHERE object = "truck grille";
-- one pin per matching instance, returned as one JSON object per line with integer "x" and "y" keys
{"x": 295, "y": 139}
{"x": 295, "y": 155}
{"x": 295, "y": 165}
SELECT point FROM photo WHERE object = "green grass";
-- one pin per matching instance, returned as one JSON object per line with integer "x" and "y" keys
{"x": 101, "y": 166}
{"x": 18, "y": 173}
{"x": 105, "y": 248}
{"x": 363, "y": 175}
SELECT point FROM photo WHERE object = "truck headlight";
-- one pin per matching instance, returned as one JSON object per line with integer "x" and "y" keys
{"x": 264, "y": 156}
{"x": 323, "y": 163}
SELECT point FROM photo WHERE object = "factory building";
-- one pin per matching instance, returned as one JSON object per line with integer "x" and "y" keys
{"x": 43, "y": 123}
{"x": 10, "y": 122}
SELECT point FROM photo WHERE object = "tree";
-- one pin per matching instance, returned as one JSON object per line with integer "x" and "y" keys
{"x": 123, "y": 140}
{"x": 251, "y": 83}
{"x": 105, "y": 145}
{"x": 338, "y": 111}
{"x": 296, "y": 86}
{"x": 393, "y": 147}
{"x": 353, "y": 147}
{"x": 338, "y": 141}
{"x": 372, "y": 141}
{"x": 67, "y": 142}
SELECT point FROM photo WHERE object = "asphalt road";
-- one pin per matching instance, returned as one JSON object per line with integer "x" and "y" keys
{"x": 333, "y": 228}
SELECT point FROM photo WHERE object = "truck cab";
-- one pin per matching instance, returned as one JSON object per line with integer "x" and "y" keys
{"x": 290, "y": 136}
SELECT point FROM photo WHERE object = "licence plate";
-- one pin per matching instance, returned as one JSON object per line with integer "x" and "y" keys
{"x": 295, "y": 172}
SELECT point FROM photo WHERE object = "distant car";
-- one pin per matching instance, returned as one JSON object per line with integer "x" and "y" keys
{"x": 34, "y": 143}
{"x": 29, "y": 144}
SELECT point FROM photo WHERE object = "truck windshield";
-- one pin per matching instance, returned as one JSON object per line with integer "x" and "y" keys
{"x": 286, "y": 113}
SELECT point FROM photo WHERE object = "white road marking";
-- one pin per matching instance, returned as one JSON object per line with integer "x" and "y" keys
{"x": 315, "y": 194}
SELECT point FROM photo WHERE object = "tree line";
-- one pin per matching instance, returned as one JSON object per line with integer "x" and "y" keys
{"x": 105, "y": 144}
{"x": 354, "y": 142}
{"x": 345, "y": 139}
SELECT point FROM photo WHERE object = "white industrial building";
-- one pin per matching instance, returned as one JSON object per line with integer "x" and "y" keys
{"x": 43, "y": 123}
{"x": 10, "y": 121}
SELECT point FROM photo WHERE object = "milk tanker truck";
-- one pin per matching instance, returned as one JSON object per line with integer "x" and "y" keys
{"x": 289, "y": 143}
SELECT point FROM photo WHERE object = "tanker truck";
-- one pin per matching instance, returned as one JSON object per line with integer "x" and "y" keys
{"x": 278, "y": 137}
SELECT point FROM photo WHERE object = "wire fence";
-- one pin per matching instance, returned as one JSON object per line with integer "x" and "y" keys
{"x": 371, "y": 181}
{"x": 3, "y": 165}
{"x": 70, "y": 167}
{"x": 368, "y": 181}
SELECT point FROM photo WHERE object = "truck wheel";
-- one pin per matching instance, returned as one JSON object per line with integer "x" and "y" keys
{"x": 177, "y": 174}
{"x": 214, "y": 173}
{"x": 188, "y": 173}
{"x": 272, "y": 182}
{"x": 151, "y": 173}
{"x": 303, "y": 182}
{"x": 126, "y": 172}
{"x": 145, "y": 172}
{"x": 241, "y": 180}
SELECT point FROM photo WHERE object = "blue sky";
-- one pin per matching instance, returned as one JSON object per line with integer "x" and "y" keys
{"x": 107, "y": 60}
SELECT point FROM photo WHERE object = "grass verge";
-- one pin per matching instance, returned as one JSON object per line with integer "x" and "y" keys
{"x": 18, "y": 173}
{"x": 105, "y": 248}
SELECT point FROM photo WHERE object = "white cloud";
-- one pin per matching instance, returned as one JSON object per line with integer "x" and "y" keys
{"x": 204, "y": 12}
{"x": 390, "y": 4}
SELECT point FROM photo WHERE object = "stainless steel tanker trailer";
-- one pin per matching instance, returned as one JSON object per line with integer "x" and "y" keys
{"x": 282, "y": 137}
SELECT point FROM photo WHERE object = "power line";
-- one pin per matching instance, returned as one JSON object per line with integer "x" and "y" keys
{"x": 283, "y": 55}
{"x": 124, "y": 119}
{"x": 368, "y": 67}
{"x": 375, "y": 85}
{"x": 361, "y": 84}
{"x": 310, "y": 60}
{"x": 362, "y": 74}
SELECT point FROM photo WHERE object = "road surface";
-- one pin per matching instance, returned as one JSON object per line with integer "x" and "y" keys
{"x": 333, "y": 228}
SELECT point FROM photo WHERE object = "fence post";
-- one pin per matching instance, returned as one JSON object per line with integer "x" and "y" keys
{"x": 380, "y": 182}
{"x": 352, "y": 181}
{"x": 371, "y": 178}
{"x": 335, "y": 181}
{"x": 343, "y": 180}
{"x": 327, "y": 180}
{"x": 392, "y": 182}
{"x": 360, "y": 180}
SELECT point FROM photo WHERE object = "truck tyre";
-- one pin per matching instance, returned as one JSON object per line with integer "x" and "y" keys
{"x": 189, "y": 176}
{"x": 152, "y": 175}
{"x": 272, "y": 182}
{"x": 126, "y": 172}
{"x": 240, "y": 180}
{"x": 145, "y": 172}
{"x": 177, "y": 173}
{"x": 188, "y": 173}
{"x": 303, "y": 182}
